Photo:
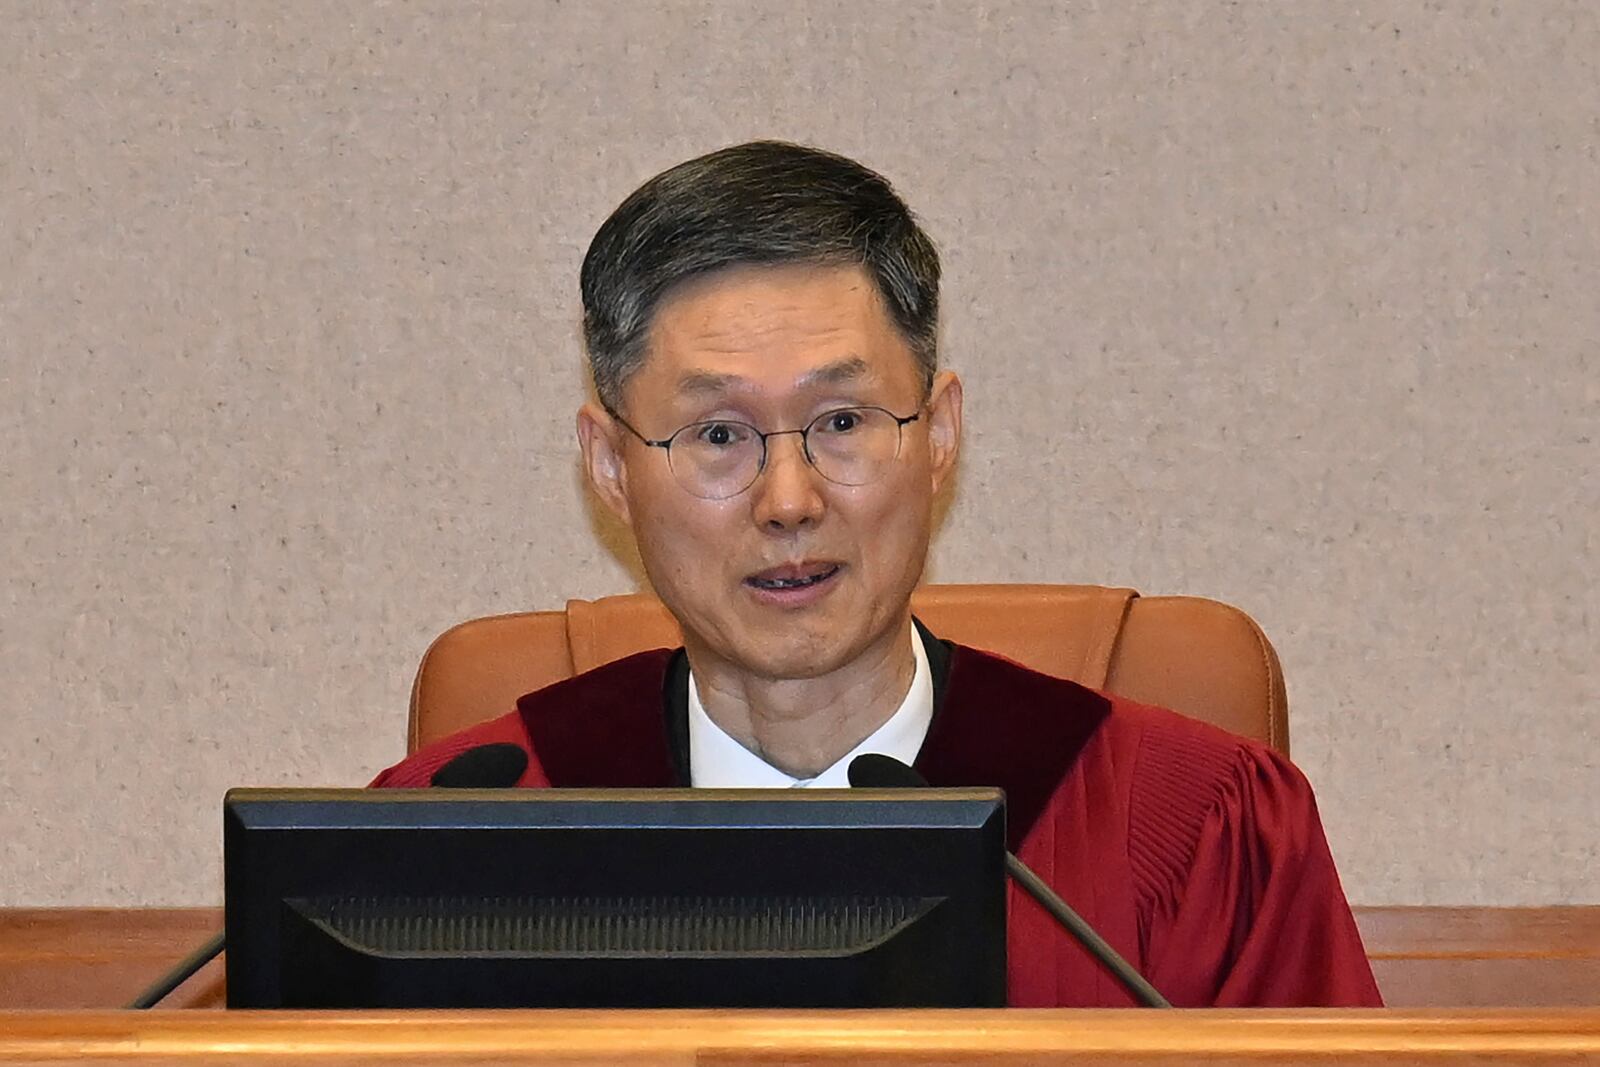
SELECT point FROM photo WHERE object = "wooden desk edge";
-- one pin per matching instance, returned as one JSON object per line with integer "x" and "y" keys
{"x": 776, "y": 1035}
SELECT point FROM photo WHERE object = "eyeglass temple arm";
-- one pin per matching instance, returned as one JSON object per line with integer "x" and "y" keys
{"x": 626, "y": 425}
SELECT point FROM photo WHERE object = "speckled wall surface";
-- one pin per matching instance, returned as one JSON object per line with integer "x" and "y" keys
{"x": 1284, "y": 304}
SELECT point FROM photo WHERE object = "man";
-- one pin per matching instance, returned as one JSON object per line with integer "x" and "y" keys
{"x": 771, "y": 424}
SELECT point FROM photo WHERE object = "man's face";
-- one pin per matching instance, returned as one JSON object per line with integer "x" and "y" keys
{"x": 775, "y": 347}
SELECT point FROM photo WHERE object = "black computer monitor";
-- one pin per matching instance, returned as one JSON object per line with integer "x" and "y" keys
{"x": 615, "y": 898}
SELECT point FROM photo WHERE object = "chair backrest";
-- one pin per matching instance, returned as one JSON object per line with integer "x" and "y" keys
{"x": 1199, "y": 657}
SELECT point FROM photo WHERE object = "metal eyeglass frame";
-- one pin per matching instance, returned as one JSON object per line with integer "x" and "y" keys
{"x": 665, "y": 443}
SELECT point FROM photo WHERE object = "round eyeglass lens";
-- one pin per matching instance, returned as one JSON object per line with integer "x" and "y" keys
{"x": 716, "y": 460}
{"x": 853, "y": 446}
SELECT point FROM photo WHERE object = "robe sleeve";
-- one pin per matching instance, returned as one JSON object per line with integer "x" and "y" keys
{"x": 1260, "y": 919}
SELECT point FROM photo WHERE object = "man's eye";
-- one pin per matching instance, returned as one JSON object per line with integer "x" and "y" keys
{"x": 841, "y": 421}
{"x": 719, "y": 434}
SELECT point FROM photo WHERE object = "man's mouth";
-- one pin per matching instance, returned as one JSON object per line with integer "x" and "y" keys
{"x": 793, "y": 577}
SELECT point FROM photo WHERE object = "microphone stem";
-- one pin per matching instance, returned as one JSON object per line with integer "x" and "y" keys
{"x": 179, "y": 974}
{"x": 1134, "y": 982}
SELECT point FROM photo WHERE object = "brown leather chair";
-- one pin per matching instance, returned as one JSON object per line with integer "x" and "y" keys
{"x": 1200, "y": 657}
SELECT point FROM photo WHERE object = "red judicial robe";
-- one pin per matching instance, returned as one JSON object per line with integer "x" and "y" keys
{"x": 1197, "y": 854}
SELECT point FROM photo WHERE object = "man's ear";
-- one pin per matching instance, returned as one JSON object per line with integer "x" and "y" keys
{"x": 944, "y": 426}
{"x": 600, "y": 441}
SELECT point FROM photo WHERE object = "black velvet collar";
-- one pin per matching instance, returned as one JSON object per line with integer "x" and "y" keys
{"x": 995, "y": 723}
{"x": 604, "y": 728}
{"x": 1001, "y": 724}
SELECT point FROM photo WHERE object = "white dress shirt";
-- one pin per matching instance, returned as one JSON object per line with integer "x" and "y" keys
{"x": 717, "y": 761}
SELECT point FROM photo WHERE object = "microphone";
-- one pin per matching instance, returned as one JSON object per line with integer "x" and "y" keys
{"x": 497, "y": 766}
{"x": 875, "y": 771}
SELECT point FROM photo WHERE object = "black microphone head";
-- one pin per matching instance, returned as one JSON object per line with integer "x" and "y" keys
{"x": 875, "y": 771}
{"x": 496, "y": 766}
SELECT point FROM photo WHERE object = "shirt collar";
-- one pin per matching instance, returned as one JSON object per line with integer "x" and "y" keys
{"x": 717, "y": 761}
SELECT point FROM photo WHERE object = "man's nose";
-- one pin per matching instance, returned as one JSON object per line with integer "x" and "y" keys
{"x": 787, "y": 494}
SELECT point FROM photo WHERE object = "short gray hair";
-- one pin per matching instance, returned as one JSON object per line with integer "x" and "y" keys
{"x": 765, "y": 202}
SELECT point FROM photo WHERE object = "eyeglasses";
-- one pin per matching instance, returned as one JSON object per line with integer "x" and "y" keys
{"x": 722, "y": 458}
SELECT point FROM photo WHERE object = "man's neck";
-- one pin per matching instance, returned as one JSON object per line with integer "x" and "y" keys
{"x": 802, "y": 726}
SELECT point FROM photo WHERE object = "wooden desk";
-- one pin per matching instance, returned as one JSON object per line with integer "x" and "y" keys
{"x": 1128, "y": 1037}
{"x": 1470, "y": 956}
{"x": 1423, "y": 957}
{"x": 1484, "y": 957}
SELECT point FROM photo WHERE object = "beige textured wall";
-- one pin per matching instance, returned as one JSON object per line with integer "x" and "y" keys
{"x": 1285, "y": 304}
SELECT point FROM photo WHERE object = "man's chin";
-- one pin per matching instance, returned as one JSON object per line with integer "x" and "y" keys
{"x": 785, "y": 641}
{"x": 784, "y": 665}
{"x": 800, "y": 649}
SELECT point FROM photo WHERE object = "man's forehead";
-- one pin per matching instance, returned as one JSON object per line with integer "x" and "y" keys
{"x": 701, "y": 381}
{"x": 791, "y": 324}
